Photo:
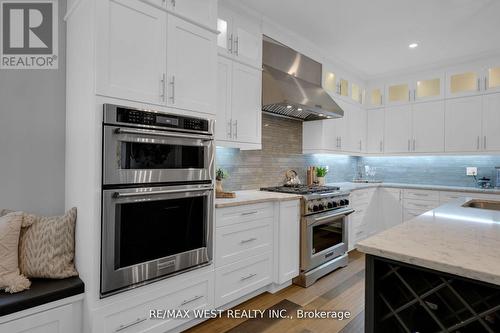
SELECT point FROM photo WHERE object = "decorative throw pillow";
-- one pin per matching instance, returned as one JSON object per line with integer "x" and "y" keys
{"x": 47, "y": 246}
{"x": 10, "y": 279}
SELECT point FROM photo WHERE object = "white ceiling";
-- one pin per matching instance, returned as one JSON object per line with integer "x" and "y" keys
{"x": 372, "y": 36}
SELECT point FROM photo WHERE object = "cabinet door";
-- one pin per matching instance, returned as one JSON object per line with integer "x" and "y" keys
{"x": 392, "y": 207}
{"x": 463, "y": 82}
{"x": 463, "y": 124}
{"x": 375, "y": 97}
{"x": 200, "y": 11}
{"x": 491, "y": 122}
{"x": 492, "y": 78}
{"x": 341, "y": 128}
{"x": 288, "y": 241}
{"x": 225, "y": 37}
{"x": 397, "y": 129}
{"x": 357, "y": 130}
{"x": 430, "y": 87}
{"x": 398, "y": 93}
{"x": 192, "y": 67}
{"x": 375, "y": 130}
{"x": 223, "y": 125}
{"x": 246, "y": 104}
{"x": 428, "y": 127}
{"x": 247, "y": 41}
{"x": 129, "y": 65}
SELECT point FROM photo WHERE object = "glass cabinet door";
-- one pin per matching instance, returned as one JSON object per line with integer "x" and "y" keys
{"x": 428, "y": 89}
{"x": 330, "y": 83}
{"x": 355, "y": 93}
{"x": 344, "y": 87}
{"x": 463, "y": 83}
{"x": 375, "y": 97}
{"x": 398, "y": 93}
{"x": 493, "y": 78}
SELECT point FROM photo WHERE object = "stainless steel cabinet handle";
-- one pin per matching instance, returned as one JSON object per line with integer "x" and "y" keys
{"x": 230, "y": 132}
{"x": 173, "y": 3}
{"x": 248, "y": 240}
{"x": 478, "y": 84}
{"x": 478, "y": 142}
{"x": 340, "y": 142}
{"x": 187, "y": 301}
{"x": 160, "y": 133}
{"x": 421, "y": 194}
{"x": 172, "y": 83}
{"x": 381, "y": 102}
{"x": 485, "y": 83}
{"x": 248, "y": 277}
{"x": 484, "y": 142}
{"x": 360, "y": 145}
{"x": 230, "y": 44}
{"x": 118, "y": 195}
{"x": 135, "y": 322}
{"x": 414, "y": 144}
{"x": 236, "y": 129}
{"x": 163, "y": 86}
{"x": 409, "y": 95}
{"x": 236, "y": 46}
{"x": 419, "y": 205}
{"x": 380, "y": 145}
{"x": 414, "y": 95}
{"x": 250, "y": 213}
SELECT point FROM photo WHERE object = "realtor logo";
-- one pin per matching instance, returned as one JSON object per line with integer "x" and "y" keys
{"x": 28, "y": 34}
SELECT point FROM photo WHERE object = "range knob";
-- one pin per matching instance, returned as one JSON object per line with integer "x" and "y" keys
{"x": 346, "y": 201}
{"x": 334, "y": 204}
{"x": 315, "y": 208}
{"x": 321, "y": 207}
{"x": 330, "y": 204}
{"x": 342, "y": 202}
{"x": 310, "y": 207}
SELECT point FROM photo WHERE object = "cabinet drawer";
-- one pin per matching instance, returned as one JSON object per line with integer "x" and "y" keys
{"x": 57, "y": 320}
{"x": 242, "y": 214}
{"x": 236, "y": 280}
{"x": 240, "y": 241}
{"x": 194, "y": 295}
{"x": 422, "y": 205}
{"x": 421, "y": 194}
{"x": 445, "y": 197}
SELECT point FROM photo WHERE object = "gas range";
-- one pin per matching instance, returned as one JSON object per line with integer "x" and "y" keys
{"x": 315, "y": 199}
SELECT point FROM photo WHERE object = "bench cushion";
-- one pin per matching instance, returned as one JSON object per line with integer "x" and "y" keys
{"x": 41, "y": 291}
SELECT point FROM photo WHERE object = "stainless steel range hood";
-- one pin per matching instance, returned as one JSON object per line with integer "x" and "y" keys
{"x": 291, "y": 85}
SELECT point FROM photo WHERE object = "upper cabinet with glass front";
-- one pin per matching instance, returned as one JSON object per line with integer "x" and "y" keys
{"x": 374, "y": 96}
{"x": 398, "y": 93}
{"x": 428, "y": 87}
{"x": 463, "y": 81}
{"x": 240, "y": 37}
{"x": 492, "y": 78}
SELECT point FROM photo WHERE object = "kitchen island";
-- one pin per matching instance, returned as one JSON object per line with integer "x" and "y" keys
{"x": 439, "y": 272}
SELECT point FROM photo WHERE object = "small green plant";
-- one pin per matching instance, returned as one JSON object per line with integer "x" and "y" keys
{"x": 321, "y": 171}
{"x": 221, "y": 174}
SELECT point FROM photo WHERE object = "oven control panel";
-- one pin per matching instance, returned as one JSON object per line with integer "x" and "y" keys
{"x": 141, "y": 117}
{"x": 324, "y": 204}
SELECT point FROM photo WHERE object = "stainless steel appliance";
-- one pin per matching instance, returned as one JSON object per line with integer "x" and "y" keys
{"x": 291, "y": 85}
{"x": 152, "y": 147}
{"x": 157, "y": 196}
{"x": 323, "y": 231}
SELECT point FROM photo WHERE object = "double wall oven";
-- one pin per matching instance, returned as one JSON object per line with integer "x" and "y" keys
{"x": 157, "y": 196}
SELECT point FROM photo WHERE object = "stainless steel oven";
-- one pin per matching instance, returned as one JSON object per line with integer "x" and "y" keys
{"x": 144, "y": 146}
{"x": 152, "y": 232}
{"x": 324, "y": 237}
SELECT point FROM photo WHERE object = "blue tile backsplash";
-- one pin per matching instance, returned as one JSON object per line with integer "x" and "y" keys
{"x": 432, "y": 170}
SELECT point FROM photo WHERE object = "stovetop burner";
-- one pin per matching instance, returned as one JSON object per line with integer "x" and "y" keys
{"x": 301, "y": 189}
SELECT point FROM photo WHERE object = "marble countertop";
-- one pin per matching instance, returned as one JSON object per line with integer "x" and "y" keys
{"x": 349, "y": 186}
{"x": 254, "y": 196}
{"x": 451, "y": 238}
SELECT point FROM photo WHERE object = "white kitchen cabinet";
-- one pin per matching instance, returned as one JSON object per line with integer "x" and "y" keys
{"x": 363, "y": 222}
{"x": 239, "y": 115}
{"x": 391, "y": 207}
{"x": 398, "y": 93}
{"x": 287, "y": 242}
{"x": 397, "y": 129}
{"x": 428, "y": 127}
{"x": 375, "y": 130}
{"x": 356, "y": 120}
{"x": 131, "y": 51}
{"x": 491, "y": 122}
{"x": 191, "y": 69}
{"x": 240, "y": 37}
{"x": 203, "y": 12}
{"x": 463, "y": 81}
{"x": 416, "y": 202}
{"x": 463, "y": 124}
{"x": 375, "y": 96}
{"x": 492, "y": 78}
{"x": 428, "y": 87}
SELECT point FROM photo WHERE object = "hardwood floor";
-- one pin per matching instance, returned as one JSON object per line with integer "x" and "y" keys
{"x": 341, "y": 290}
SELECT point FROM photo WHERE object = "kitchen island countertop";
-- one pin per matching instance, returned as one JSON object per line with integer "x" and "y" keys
{"x": 453, "y": 239}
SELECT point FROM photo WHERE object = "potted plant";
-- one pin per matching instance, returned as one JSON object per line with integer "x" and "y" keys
{"x": 220, "y": 175}
{"x": 321, "y": 174}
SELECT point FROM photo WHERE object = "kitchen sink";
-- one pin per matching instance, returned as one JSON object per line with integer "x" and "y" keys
{"x": 483, "y": 204}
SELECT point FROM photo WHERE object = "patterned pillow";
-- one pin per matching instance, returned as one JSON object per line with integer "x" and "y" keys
{"x": 47, "y": 246}
{"x": 10, "y": 279}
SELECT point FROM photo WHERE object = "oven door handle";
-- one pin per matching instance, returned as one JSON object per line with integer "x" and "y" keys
{"x": 163, "y": 134}
{"x": 118, "y": 195}
{"x": 344, "y": 213}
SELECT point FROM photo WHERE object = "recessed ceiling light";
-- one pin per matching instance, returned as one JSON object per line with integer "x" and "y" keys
{"x": 299, "y": 109}
{"x": 321, "y": 115}
{"x": 288, "y": 106}
{"x": 413, "y": 45}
